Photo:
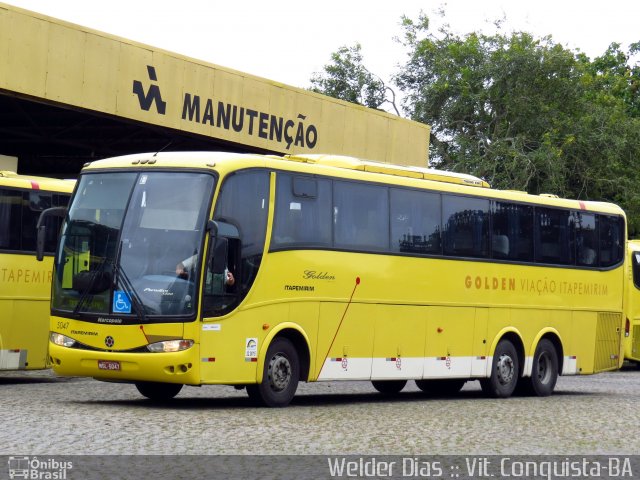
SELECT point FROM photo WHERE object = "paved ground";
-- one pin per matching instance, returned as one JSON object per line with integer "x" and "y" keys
{"x": 45, "y": 415}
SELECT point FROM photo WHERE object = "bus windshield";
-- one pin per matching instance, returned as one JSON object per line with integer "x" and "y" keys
{"x": 125, "y": 236}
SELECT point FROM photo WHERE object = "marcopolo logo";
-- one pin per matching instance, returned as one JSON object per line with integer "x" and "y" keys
{"x": 152, "y": 96}
{"x": 37, "y": 468}
{"x": 231, "y": 117}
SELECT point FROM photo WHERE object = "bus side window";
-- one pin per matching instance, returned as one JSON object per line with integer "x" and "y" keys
{"x": 586, "y": 239}
{"x": 555, "y": 237}
{"x": 415, "y": 221}
{"x": 611, "y": 230}
{"x": 10, "y": 215}
{"x": 243, "y": 201}
{"x": 361, "y": 216}
{"x": 636, "y": 269}
{"x": 303, "y": 212}
{"x": 512, "y": 231}
{"x": 466, "y": 226}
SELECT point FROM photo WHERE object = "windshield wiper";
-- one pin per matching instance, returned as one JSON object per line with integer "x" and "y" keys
{"x": 120, "y": 274}
{"x": 88, "y": 290}
{"x": 97, "y": 273}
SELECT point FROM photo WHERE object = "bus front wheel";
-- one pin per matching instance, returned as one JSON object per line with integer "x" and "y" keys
{"x": 505, "y": 371}
{"x": 280, "y": 375}
{"x": 159, "y": 391}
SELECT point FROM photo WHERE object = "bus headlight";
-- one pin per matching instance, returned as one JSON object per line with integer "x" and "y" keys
{"x": 61, "y": 340}
{"x": 170, "y": 346}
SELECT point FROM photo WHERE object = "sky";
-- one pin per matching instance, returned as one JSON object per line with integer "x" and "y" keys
{"x": 289, "y": 40}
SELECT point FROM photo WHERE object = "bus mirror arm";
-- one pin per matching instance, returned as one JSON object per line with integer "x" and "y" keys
{"x": 212, "y": 228}
{"x": 41, "y": 229}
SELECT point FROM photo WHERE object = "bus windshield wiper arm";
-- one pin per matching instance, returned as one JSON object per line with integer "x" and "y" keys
{"x": 89, "y": 288}
{"x": 120, "y": 274}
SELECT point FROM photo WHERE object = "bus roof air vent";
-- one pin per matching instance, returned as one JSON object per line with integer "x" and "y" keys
{"x": 352, "y": 163}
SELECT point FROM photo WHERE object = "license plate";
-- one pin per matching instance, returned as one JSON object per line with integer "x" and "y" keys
{"x": 108, "y": 365}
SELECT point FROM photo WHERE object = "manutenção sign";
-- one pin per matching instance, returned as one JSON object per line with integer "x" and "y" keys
{"x": 230, "y": 116}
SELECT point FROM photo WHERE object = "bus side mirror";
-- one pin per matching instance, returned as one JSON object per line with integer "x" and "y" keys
{"x": 41, "y": 229}
{"x": 222, "y": 229}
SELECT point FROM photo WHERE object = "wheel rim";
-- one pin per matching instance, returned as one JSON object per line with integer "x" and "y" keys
{"x": 505, "y": 369}
{"x": 279, "y": 372}
{"x": 544, "y": 368}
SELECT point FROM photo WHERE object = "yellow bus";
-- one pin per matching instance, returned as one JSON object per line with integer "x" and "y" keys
{"x": 25, "y": 285}
{"x": 262, "y": 271}
{"x": 632, "y": 322}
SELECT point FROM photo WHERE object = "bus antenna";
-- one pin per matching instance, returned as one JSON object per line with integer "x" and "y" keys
{"x": 163, "y": 148}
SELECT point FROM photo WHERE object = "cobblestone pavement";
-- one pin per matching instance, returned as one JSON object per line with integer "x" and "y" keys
{"x": 47, "y": 415}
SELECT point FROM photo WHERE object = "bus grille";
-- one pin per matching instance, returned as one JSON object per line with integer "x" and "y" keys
{"x": 607, "y": 342}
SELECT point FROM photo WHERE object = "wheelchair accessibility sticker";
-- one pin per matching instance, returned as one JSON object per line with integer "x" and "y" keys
{"x": 121, "y": 302}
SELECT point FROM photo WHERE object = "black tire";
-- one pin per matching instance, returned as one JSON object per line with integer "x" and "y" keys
{"x": 441, "y": 387}
{"x": 280, "y": 376}
{"x": 544, "y": 373}
{"x": 159, "y": 391}
{"x": 505, "y": 371}
{"x": 389, "y": 387}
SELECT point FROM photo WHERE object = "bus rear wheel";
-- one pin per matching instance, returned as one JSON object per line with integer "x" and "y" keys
{"x": 441, "y": 387}
{"x": 389, "y": 387}
{"x": 280, "y": 376}
{"x": 544, "y": 373}
{"x": 159, "y": 391}
{"x": 505, "y": 371}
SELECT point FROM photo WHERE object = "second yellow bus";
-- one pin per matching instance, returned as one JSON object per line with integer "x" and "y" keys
{"x": 25, "y": 285}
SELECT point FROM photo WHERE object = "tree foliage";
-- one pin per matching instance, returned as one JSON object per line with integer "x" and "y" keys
{"x": 348, "y": 79}
{"x": 526, "y": 113}
{"x": 522, "y": 112}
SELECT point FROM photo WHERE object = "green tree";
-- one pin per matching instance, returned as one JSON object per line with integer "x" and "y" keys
{"x": 348, "y": 79}
{"x": 615, "y": 75}
{"x": 526, "y": 113}
{"x": 522, "y": 112}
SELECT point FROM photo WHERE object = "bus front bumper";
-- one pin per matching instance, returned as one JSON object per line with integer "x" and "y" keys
{"x": 174, "y": 367}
